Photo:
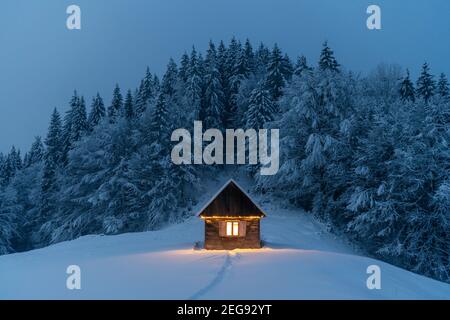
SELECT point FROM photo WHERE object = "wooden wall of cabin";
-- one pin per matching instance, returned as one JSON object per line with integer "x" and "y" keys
{"x": 213, "y": 240}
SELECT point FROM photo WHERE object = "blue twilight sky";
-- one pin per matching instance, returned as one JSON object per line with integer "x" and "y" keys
{"x": 41, "y": 62}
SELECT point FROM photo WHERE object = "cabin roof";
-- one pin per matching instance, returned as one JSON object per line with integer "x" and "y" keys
{"x": 231, "y": 201}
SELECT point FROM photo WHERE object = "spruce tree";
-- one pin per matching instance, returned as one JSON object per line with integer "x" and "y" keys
{"x": 261, "y": 108}
{"x": 275, "y": 73}
{"x": 184, "y": 67}
{"x": 140, "y": 104}
{"x": 249, "y": 56}
{"x": 79, "y": 123}
{"x": 287, "y": 67}
{"x": 37, "y": 152}
{"x": 97, "y": 112}
{"x": 262, "y": 56}
{"x": 148, "y": 86}
{"x": 212, "y": 112}
{"x": 194, "y": 85}
{"x": 53, "y": 141}
{"x": 128, "y": 106}
{"x": 159, "y": 127}
{"x": 169, "y": 81}
{"x": 327, "y": 60}
{"x": 301, "y": 67}
{"x": 426, "y": 85}
{"x": 52, "y": 160}
{"x": 407, "y": 89}
{"x": 442, "y": 87}
{"x": 156, "y": 86}
{"x": 115, "y": 109}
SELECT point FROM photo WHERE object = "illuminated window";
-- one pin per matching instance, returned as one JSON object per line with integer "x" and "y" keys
{"x": 232, "y": 228}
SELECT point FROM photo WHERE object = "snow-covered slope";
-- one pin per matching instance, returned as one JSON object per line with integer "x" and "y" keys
{"x": 300, "y": 261}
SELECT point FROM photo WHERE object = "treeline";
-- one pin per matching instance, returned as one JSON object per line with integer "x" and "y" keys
{"x": 367, "y": 155}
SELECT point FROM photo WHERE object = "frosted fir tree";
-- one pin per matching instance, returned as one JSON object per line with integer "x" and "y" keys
{"x": 261, "y": 109}
{"x": 301, "y": 66}
{"x": 128, "y": 106}
{"x": 2, "y": 168}
{"x": 194, "y": 85}
{"x": 15, "y": 159}
{"x": 9, "y": 215}
{"x": 169, "y": 80}
{"x": 407, "y": 91}
{"x": 276, "y": 73}
{"x": 52, "y": 161}
{"x": 150, "y": 87}
{"x": 221, "y": 63}
{"x": 442, "y": 86}
{"x": 79, "y": 123}
{"x": 288, "y": 67}
{"x": 184, "y": 67}
{"x": 115, "y": 109}
{"x": 212, "y": 112}
{"x": 426, "y": 85}
{"x": 66, "y": 139}
{"x": 249, "y": 56}
{"x": 156, "y": 86}
{"x": 139, "y": 100}
{"x": 327, "y": 60}
{"x": 54, "y": 140}
{"x": 262, "y": 57}
{"x": 37, "y": 151}
{"x": 97, "y": 112}
{"x": 9, "y": 166}
{"x": 233, "y": 53}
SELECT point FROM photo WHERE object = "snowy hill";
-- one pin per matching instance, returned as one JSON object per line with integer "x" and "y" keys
{"x": 300, "y": 261}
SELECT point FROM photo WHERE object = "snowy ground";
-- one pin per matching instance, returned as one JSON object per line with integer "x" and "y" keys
{"x": 300, "y": 261}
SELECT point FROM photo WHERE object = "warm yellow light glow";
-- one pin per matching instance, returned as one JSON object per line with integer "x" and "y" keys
{"x": 229, "y": 229}
{"x": 232, "y": 228}
{"x": 235, "y": 228}
{"x": 231, "y": 217}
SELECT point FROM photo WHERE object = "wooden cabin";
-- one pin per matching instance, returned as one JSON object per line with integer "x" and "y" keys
{"x": 232, "y": 220}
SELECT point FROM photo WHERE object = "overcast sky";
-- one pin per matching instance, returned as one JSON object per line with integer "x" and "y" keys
{"x": 41, "y": 62}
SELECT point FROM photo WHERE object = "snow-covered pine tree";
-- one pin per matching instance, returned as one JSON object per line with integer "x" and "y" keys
{"x": 79, "y": 123}
{"x": 442, "y": 86}
{"x": 288, "y": 67}
{"x": 37, "y": 151}
{"x": 160, "y": 125}
{"x": 426, "y": 85}
{"x": 327, "y": 60}
{"x": 261, "y": 108}
{"x": 249, "y": 56}
{"x": 156, "y": 87}
{"x": 302, "y": 66}
{"x": 52, "y": 160}
{"x": 9, "y": 215}
{"x": 115, "y": 109}
{"x": 2, "y": 168}
{"x": 212, "y": 112}
{"x": 97, "y": 112}
{"x": 184, "y": 67}
{"x": 276, "y": 73}
{"x": 194, "y": 85}
{"x": 128, "y": 106}
{"x": 67, "y": 127}
{"x": 407, "y": 91}
{"x": 149, "y": 88}
{"x": 262, "y": 57}
{"x": 169, "y": 80}
{"x": 139, "y": 100}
